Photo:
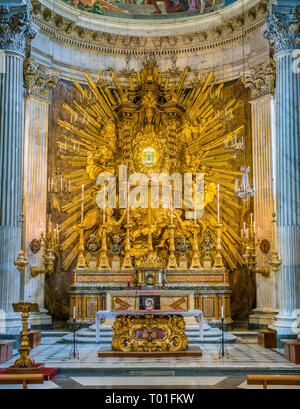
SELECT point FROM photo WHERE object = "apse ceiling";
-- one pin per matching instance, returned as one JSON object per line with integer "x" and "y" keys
{"x": 149, "y": 9}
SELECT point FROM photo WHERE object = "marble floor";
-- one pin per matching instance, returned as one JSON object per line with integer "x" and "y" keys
{"x": 147, "y": 382}
{"x": 208, "y": 371}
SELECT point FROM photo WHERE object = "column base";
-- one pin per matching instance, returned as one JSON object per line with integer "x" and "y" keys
{"x": 285, "y": 327}
{"x": 261, "y": 317}
{"x": 40, "y": 320}
{"x": 10, "y": 324}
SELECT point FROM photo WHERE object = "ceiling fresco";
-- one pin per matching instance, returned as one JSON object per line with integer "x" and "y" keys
{"x": 149, "y": 8}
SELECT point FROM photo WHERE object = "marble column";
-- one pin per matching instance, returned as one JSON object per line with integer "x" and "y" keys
{"x": 284, "y": 34}
{"x": 16, "y": 30}
{"x": 39, "y": 82}
{"x": 261, "y": 81}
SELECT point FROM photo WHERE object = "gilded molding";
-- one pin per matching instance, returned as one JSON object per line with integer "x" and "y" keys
{"x": 39, "y": 81}
{"x": 16, "y": 29}
{"x": 67, "y": 31}
{"x": 261, "y": 79}
{"x": 283, "y": 28}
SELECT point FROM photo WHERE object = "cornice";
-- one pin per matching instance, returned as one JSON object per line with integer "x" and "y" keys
{"x": 75, "y": 35}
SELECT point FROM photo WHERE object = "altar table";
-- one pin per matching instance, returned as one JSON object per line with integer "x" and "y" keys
{"x": 114, "y": 314}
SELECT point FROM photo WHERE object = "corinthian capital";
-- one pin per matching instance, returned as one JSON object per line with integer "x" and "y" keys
{"x": 283, "y": 28}
{"x": 38, "y": 79}
{"x": 261, "y": 79}
{"x": 16, "y": 28}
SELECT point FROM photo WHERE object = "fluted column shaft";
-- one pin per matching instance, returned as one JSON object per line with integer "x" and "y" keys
{"x": 15, "y": 33}
{"x": 288, "y": 183}
{"x": 262, "y": 118}
{"x": 35, "y": 189}
{"x": 11, "y": 136}
{"x": 261, "y": 81}
{"x": 284, "y": 34}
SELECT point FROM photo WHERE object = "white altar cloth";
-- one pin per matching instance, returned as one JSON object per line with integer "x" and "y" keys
{"x": 113, "y": 314}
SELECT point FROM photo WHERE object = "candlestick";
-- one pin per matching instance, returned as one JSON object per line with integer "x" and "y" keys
{"x": 171, "y": 207}
{"x": 104, "y": 205}
{"x": 128, "y": 203}
{"x": 218, "y": 203}
{"x": 195, "y": 205}
{"x": 82, "y": 202}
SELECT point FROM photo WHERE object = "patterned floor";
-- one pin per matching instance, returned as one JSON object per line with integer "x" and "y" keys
{"x": 239, "y": 356}
{"x": 206, "y": 372}
{"x": 147, "y": 382}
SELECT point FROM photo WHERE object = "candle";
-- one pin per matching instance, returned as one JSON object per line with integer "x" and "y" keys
{"x": 82, "y": 202}
{"x": 61, "y": 184}
{"x": 251, "y": 217}
{"x": 128, "y": 203}
{"x": 69, "y": 185}
{"x": 242, "y": 233}
{"x": 259, "y": 234}
{"x": 74, "y": 313}
{"x": 195, "y": 205}
{"x": 222, "y": 311}
{"x": 218, "y": 204}
{"x": 104, "y": 205}
{"x": 171, "y": 207}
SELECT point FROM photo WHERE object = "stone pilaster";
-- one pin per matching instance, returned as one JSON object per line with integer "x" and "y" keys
{"x": 16, "y": 31}
{"x": 38, "y": 83}
{"x": 283, "y": 33}
{"x": 261, "y": 81}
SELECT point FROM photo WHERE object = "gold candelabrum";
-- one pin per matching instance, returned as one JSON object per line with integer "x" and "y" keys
{"x": 127, "y": 263}
{"x": 49, "y": 239}
{"x": 250, "y": 244}
{"x": 21, "y": 261}
{"x": 275, "y": 260}
{"x": 218, "y": 265}
{"x": 172, "y": 263}
{"x": 81, "y": 261}
{"x": 24, "y": 360}
{"x": 195, "y": 263}
{"x": 103, "y": 261}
